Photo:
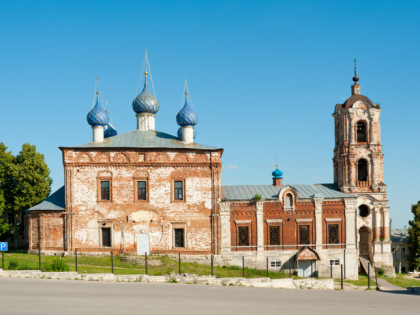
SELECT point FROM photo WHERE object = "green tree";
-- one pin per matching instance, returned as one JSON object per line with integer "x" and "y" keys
{"x": 31, "y": 184}
{"x": 413, "y": 256}
{"x": 6, "y": 170}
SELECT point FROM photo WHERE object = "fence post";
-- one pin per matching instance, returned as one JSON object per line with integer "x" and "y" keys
{"x": 212, "y": 265}
{"x": 145, "y": 261}
{"x": 376, "y": 278}
{"x": 243, "y": 267}
{"x": 290, "y": 270}
{"x": 267, "y": 267}
{"x": 112, "y": 261}
{"x": 75, "y": 252}
{"x": 341, "y": 276}
{"x": 368, "y": 275}
{"x": 330, "y": 270}
{"x": 179, "y": 262}
{"x": 39, "y": 258}
{"x": 2, "y": 260}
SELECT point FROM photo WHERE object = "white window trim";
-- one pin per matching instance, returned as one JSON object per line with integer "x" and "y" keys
{"x": 242, "y": 221}
{"x": 274, "y": 221}
{"x": 303, "y": 220}
{"x": 333, "y": 220}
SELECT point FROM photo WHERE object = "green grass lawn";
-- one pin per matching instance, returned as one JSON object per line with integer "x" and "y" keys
{"x": 403, "y": 281}
{"x": 361, "y": 282}
{"x": 96, "y": 264}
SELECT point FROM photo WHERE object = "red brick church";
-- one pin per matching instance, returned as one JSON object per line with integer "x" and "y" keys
{"x": 148, "y": 191}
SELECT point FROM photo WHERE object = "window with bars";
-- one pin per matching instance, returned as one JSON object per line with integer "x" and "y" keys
{"x": 274, "y": 233}
{"x": 304, "y": 234}
{"x": 141, "y": 190}
{"x": 333, "y": 236}
{"x": 179, "y": 238}
{"x": 105, "y": 190}
{"x": 179, "y": 190}
{"x": 243, "y": 236}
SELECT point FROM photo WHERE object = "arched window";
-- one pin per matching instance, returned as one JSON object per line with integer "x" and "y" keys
{"x": 361, "y": 131}
{"x": 289, "y": 201}
{"x": 362, "y": 170}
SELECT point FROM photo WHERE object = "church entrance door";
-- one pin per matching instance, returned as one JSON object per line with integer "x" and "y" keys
{"x": 304, "y": 268}
{"x": 143, "y": 244}
{"x": 365, "y": 242}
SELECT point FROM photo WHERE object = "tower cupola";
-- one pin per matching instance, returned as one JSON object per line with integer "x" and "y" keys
{"x": 146, "y": 106}
{"x": 187, "y": 119}
{"x": 277, "y": 177}
{"x": 110, "y": 131}
{"x": 98, "y": 118}
{"x": 146, "y": 102}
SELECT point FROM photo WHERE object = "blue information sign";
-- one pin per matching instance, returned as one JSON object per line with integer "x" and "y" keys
{"x": 3, "y": 246}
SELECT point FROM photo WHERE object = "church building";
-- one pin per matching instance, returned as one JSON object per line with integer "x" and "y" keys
{"x": 146, "y": 191}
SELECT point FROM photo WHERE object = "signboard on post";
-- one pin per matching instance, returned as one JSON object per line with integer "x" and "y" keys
{"x": 3, "y": 247}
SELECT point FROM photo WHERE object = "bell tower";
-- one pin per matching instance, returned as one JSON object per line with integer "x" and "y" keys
{"x": 358, "y": 158}
{"x": 358, "y": 170}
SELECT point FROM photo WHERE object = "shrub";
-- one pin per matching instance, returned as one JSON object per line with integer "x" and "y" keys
{"x": 13, "y": 265}
{"x": 381, "y": 271}
{"x": 257, "y": 197}
{"x": 172, "y": 280}
{"x": 57, "y": 265}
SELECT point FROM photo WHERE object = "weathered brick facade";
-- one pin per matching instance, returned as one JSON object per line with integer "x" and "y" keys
{"x": 146, "y": 190}
{"x": 127, "y": 216}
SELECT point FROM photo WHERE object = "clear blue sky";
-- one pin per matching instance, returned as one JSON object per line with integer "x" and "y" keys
{"x": 264, "y": 77}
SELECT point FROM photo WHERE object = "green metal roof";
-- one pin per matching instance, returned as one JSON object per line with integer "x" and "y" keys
{"x": 145, "y": 139}
{"x": 55, "y": 202}
{"x": 267, "y": 192}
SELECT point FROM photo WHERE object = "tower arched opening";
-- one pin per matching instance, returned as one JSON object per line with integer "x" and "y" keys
{"x": 361, "y": 131}
{"x": 362, "y": 170}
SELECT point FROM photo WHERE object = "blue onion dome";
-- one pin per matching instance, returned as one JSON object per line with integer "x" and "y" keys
{"x": 110, "y": 131}
{"x": 145, "y": 102}
{"x": 277, "y": 173}
{"x": 97, "y": 116}
{"x": 186, "y": 116}
{"x": 179, "y": 133}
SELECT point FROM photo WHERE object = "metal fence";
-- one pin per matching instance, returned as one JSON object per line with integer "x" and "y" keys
{"x": 155, "y": 265}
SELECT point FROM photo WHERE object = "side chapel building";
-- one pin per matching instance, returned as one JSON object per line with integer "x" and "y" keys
{"x": 148, "y": 191}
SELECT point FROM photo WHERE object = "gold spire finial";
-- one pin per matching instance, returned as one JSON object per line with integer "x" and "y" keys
{"x": 277, "y": 166}
{"x": 97, "y": 93}
{"x": 186, "y": 92}
{"x": 146, "y": 73}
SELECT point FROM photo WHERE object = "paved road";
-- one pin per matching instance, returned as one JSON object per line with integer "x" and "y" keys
{"x": 28, "y": 296}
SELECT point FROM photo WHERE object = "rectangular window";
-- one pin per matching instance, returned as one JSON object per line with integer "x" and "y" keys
{"x": 275, "y": 263}
{"x": 105, "y": 190}
{"x": 106, "y": 237}
{"x": 243, "y": 236}
{"x": 304, "y": 234}
{"x": 141, "y": 190}
{"x": 333, "y": 237}
{"x": 179, "y": 190}
{"x": 179, "y": 238}
{"x": 335, "y": 262}
{"x": 402, "y": 253}
{"x": 274, "y": 235}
